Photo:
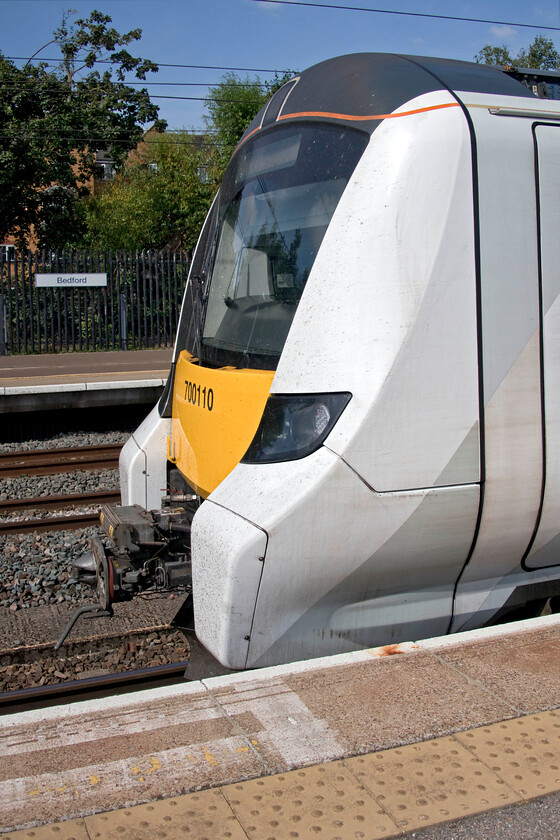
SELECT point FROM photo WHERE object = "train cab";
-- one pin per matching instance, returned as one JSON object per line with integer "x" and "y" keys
{"x": 359, "y": 440}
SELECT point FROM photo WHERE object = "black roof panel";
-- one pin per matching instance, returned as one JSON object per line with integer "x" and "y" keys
{"x": 374, "y": 84}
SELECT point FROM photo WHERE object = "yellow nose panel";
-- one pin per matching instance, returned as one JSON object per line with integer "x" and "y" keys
{"x": 216, "y": 413}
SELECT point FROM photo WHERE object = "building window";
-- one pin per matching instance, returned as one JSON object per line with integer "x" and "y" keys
{"x": 104, "y": 170}
{"x": 7, "y": 253}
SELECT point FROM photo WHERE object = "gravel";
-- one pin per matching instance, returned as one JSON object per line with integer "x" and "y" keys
{"x": 27, "y": 668}
{"x": 80, "y": 481}
{"x": 34, "y": 581}
{"x": 63, "y": 440}
{"x": 35, "y": 568}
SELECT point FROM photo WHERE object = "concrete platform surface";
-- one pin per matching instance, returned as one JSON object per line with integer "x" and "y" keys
{"x": 60, "y": 368}
{"x": 82, "y": 380}
{"x": 376, "y": 743}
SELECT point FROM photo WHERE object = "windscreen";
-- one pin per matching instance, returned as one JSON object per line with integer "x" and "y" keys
{"x": 274, "y": 206}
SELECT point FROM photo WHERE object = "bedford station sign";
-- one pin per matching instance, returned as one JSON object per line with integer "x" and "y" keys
{"x": 70, "y": 281}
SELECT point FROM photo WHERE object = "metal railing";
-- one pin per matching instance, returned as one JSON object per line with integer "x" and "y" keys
{"x": 138, "y": 308}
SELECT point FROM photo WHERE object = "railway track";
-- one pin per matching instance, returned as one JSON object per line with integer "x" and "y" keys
{"x": 39, "y": 697}
{"x": 97, "y": 497}
{"x": 48, "y": 462}
{"x": 37, "y": 675}
{"x": 64, "y": 459}
{"x": 70, "y": 522}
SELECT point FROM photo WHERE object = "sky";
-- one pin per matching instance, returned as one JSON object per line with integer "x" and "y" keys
{"x": 252, "y": 35}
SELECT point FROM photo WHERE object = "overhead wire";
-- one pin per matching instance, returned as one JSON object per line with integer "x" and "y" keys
{"x": 59, "y": 94}
{"x": 147, "y": 83}
{"x": 257, "y": 85}
{"x": 162, "y": 64}
{"x": 162, "y": 84}
{"x": 338, "y": 6}
{"x": 148, "y": 142}
{"x": 301, "y": 3}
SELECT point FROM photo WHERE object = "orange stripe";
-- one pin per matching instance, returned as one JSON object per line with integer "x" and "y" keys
{"x": 254, "y": 131}
{"x": 357, "y": 118}
{"x": 353, "y": 117}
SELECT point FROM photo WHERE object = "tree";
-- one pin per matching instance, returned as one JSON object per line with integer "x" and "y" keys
{"x": 162, "y": 195}
{"x": 541, "y": 55}
{"x": 494, "y": 55}
{"x": 63, "y": 221}
{"x": 159, "y": 200}
{"x": 231, "y": 105}
{"x": 53, "y": 122}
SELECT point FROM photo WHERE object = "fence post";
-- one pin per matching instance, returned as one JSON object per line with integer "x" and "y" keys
{"x": 3, "y": 349}
{"x": 123, "y": 322}
{"x": 50, "y": 320}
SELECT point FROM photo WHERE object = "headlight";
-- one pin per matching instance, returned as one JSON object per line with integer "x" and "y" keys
{"x": 294, "y": 426}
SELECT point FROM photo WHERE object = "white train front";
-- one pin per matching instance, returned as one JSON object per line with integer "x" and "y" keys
{"x": 364, "y": 404}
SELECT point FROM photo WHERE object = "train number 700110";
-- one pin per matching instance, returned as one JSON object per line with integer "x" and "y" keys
{"x": 201, "y": 397}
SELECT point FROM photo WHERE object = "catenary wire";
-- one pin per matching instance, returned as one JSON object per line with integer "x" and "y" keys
{"x": 161, "y": 64}
{"x": 408, "y": 14}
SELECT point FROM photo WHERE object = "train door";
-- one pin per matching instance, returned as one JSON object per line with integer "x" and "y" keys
{"x": 545, "y": 549}
{"x": 510, "y": 336}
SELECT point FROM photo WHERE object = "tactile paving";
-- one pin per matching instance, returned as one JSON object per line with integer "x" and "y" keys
{"x": 525, "y": 752}
{"x": 431, "y": 782}
{"x": 70, "y": 830}
{"x": 323, "y": 801}
{"x": 366, "y": 797}
{"x": 200, "y": 816}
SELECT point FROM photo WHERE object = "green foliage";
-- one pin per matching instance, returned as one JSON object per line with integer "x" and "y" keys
{"x": 63, "y": 222}
{"x": 541, "y": 55}
{"x": 53, "y": 121}
{"x": 85, "y": 40}
{"x": 494, "y": 55}
{"x": 231, "y": 106}
{"x": 160, "y": 199}
{"x": 29, "y": 161}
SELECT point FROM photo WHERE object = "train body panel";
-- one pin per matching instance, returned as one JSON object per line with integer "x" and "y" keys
{"x": 382, "y": 255}
{"x": 511, "y": 344}
{"x": 143, "y": 462}
{"x": 336, "y": 549}
{"x": 215, "y": 416}
{"x": 226, "y": 581}
{"x": 389, "y": 298}
{"x": 545, "y": 550}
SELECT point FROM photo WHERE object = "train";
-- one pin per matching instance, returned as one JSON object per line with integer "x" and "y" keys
{"x": 359, "y": 439}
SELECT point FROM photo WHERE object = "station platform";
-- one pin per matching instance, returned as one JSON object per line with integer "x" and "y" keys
{"x": 82, "y": 380}
{"x": 386, "y": 742}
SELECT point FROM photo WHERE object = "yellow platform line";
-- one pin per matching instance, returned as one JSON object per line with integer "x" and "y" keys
{"x": 377, "y": 795}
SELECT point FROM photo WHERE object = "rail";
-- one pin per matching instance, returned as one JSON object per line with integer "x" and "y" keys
{"x": 96, "y": 497}
{"x": 72, "y": 522}
{"x": 40, "y": 697}
{"x": 64, "y": 459}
